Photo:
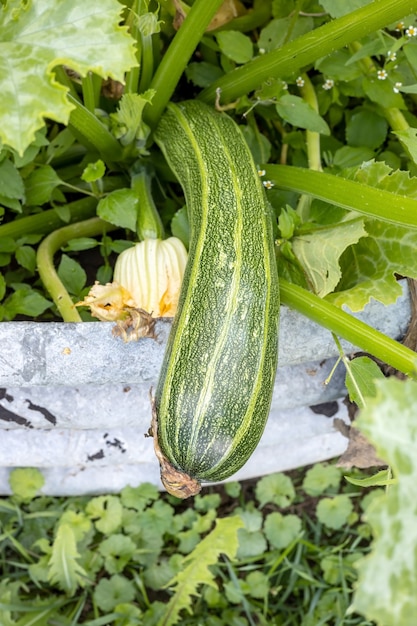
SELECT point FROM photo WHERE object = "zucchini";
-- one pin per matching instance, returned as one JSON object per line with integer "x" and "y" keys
{"x": 214, "y": 392}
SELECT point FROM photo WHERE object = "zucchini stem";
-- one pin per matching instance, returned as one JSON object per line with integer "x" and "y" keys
{"x": 176, "y": 58}
{"x": 348, "y": 194}
{"x": 306, "y": 49}
{"x": 348, "y": 327}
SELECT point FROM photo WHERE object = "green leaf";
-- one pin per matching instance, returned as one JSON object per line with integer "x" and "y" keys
{"x": 11, "y": 184}
{"x": 366, "y": 128}
{"x": 334, "y": 512}
{"x": 251, "y": 544}
{"x": 196, "y": 567}
{"x": 40, "y": 185}
{"x": 2, "y": 286}
{"x": 72, "y": 275}
{"x": 276, "y": 488}
{"x": 348, "y": 156}
{"x": 297, "y": 112}
{"x": 203, "y": 74}
{"x": 380, "y": 479}
{"x": 127, "y": 615}
{"x": 127, "y": 123}
{"x": 159, "y": 574}
{"x": 149, "y": 24}
{"x": 258, "y": 584}
{"x": 119, "y": 208}
{"x": 38, "y": 36}
{"x": 26, "y": 482}
{"x": 259, "y": 144}
{"x": 25, "y": 302}
{"x": 409, "y": 139}
{"x": 235, "y": 45}
{"x": 338, "y": 66}
{"x": 361, "y": 377}
{"x": 7, "y": 244}
{"x": 279, "y": 31}
{"x": 388, "y": 576}
{"x": 140, "y": 497}
{"x": 381, "y": 92}
{"x": 379, "y": 174}
{"x": 117, "y": 551}
{"x": 26, "y": 257}
{"x": 321, "y": 477}
{"x": 281, "y": 530}
{"x": 369, "y": 269}
{"x": 113, "y": 591}
{"x": 106, "y": 513}
{"x": 79, "y": 522}
{"x": 93, "y": 171}
{"x": 339, "y": 8}
{"x": 180, "y": 226}
{"x": 319, "y": 253}
{"x": 64, "y": 569}
{"x": 81, "y": 243}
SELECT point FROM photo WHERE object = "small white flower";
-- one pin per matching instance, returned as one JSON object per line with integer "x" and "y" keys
{"x": 328, "y": 84}
{"x": 261, "y": 172}
{"x": 300, "y": 81}
{"x": 261, "y": 50}
{"x": 411, "y": 31}
{"x": 391, "y": 56}
{"x": 400, "y": 26}
{"x": 285, "y": 85}
{"x": 268, "y": 184}
{"x": 396, "y": 87}
{"x": 382, "y": 74}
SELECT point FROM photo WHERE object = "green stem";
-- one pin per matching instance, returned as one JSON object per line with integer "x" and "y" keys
{"x": 312, "y": 138}
{"x": 50, "y": 220}
{"x": 177, "y": 56}
{"x": 313, "y": 145}
{"x": 45, "y": 262}
{"x": 92, "y": 133}
{"x": 347, "y": 194}
{"x": 65, "y": 80}
{"x": 348, "y": 327}
{"x": 306, "y": 49}
{"x": 149, "y": 224}
{"x": 132, "y": 77}
{"x": 91, "y": 86}
{"x": 395, "y": 119}
{"x": 147, "y": 63}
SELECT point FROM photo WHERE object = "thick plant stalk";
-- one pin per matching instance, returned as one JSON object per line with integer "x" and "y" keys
{"x": 92, "y": 133}
{"x": 347, "y": 194}
{"x": 177, "y": 56}
{"x": 306, "y": 49}
{"x": 49, "y": 220}
{"x": 348, "y": 327}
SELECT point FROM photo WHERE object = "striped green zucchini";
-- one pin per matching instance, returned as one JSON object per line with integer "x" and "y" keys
{"x": 214, "y": 392}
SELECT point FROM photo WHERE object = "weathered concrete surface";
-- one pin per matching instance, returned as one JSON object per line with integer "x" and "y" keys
{"x": 74, "y": 401}
{"x": 54, "y": 354}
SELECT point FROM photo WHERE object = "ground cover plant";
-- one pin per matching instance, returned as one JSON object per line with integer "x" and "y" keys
{"x": 325, "y": 95}
{"x": 288, "y": 545}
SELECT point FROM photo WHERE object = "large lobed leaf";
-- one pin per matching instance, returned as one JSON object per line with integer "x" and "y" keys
{"x": 37, "y": 36}
{"x": 370, "y": 266}
{"x": 386, "y": 590}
